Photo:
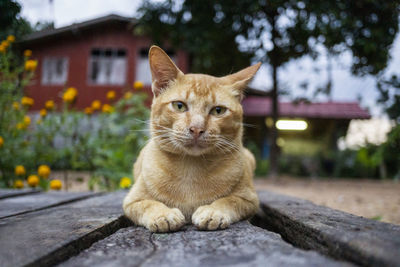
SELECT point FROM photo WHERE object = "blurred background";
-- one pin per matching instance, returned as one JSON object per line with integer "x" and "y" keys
{"x": 321, "y": 116}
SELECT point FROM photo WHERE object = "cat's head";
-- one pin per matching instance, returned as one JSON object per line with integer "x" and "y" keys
{"x": 196, "y": 114}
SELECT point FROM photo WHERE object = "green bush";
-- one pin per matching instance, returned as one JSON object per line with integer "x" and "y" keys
{"x": 104, "y": 139}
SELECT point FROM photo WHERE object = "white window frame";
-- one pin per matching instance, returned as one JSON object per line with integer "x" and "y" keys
{"x": 112, "y": 68}
{"x": 49, "y": 70}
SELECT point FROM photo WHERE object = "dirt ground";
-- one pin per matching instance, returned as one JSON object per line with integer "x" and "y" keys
{"x": 379, "y": 200}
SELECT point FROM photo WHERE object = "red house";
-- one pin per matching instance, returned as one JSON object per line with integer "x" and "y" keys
{"x": 94, "y": 56}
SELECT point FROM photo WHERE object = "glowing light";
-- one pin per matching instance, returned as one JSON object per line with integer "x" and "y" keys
{"x": 292, "y": 125}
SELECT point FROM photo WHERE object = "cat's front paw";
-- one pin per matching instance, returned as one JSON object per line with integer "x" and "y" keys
{"x": 167, "y": 220}
{"x": 209, "y": 218}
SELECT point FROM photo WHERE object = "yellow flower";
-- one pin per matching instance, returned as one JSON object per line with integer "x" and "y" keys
{"x": 20, "y": 170}
{"x": 55, "y": 184}
{"x": 27, "y": 120}
{"x": 11, "y": 38}
{"x": 49, "y": 104}
{"x": 30, "y": 65}
{"x": 107, "y": 108}
{"x": 27, "y": 101}
{"x": 88, "y": 110}
{"x": 138, "y": 85}
{"x": 21, "y": 125}
{"x": 3, "y": 49}
{"x": 27, "y": 53}
{"x": 125, "y": 182}
{"x": 43, "y": 113}
{"x": 44, "y": 171}
{"x": 128, "y": 95}
{"x": 1, "y": 141}
{"x": 70, "y": 95}
{"x": 5, "y": 43}
{"x": 18, "y": 184}
{"x": 15, "y": 105}
{"x": 111, "y": 95}
{"x": 33, "y": 180}
{"x": 96, "y": 105}
{"x": 39, "y": 121}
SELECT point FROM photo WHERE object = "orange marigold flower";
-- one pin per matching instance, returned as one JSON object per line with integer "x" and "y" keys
{"x": 20, "y": 170}
{"x": 107, "y": 108}
{"x": 27, "y": 53}
{"x": 128, "y": 95}
{"x": 21, "y": 125}
{"x": 27, "y": 101}
{"x": 55, "y": 184}
{"x": 44, "y": 171}
{"x": 18, "y": 184}
{"x": 1, "y": 141}
{"x": 3, "y": 49}
{"x": 89, "y": 110}
{"x": 27, "y": 120}
{"x": 111, "y": 95}
{"x": 5, "y": 43}
{"x": 33, "y": 180}
{"x": 15, "y": 105}
{"x": 70, "y": 94}
{"x": 11, "y": 38}
{"x": 49, "y": 104}
{"x": 125, "y": 182}
{"x": 96, "y": 105}
{"x": 43, "y": 113}
{"x": 30, "y": 65}
{"x": 138, "y": 85}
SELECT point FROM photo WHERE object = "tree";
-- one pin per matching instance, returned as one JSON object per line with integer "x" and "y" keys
{"x": 198, "y": 27}
{"x": 10, "y": 20}
{"x": 278, "y": 31}
{"x": 389, "y": 89}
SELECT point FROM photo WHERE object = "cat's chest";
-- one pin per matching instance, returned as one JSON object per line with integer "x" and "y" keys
{"x": 190, "y": 185}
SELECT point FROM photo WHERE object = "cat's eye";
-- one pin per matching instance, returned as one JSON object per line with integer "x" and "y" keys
{"x": 179, "y": 106}
{"x": 218, "y": 110}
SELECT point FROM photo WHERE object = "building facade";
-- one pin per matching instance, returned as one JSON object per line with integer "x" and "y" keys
{"x": 95, "y": 57}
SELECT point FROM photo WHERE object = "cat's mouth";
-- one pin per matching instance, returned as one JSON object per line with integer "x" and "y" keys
{"x": 196, "y": 144}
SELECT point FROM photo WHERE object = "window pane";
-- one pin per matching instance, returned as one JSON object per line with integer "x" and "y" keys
{"x": 107, "y": 66}
{"x": 54, "y": 71}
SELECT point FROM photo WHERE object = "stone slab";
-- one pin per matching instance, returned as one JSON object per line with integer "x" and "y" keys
{"x": 332, "y": 232}
{"x": 240, "y": 245}
{"x": 33, "y": 202}
{"x": 47, "y": 237}
{"x": 6, "y": 193}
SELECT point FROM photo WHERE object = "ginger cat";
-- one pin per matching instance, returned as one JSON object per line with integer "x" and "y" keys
{"x": 194, "y": 168}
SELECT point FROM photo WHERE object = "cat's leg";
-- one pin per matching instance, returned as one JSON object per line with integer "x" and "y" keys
{"x": 227, "y": 210}
{"x": 152, "y": 214}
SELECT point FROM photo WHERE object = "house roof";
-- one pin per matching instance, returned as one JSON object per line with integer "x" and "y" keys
{"x": 261, "y": 106}
{"x": 76, "y": 27}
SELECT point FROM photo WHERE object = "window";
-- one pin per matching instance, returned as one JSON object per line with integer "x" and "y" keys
{"x": 107, "y": 66}
{"x": 55, "y": 70}
{"x": 143, "y": 72}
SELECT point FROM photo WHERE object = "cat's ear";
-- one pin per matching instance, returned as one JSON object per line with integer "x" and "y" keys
{"x": 163, "y": 69}
{"x": 239, "y": 80}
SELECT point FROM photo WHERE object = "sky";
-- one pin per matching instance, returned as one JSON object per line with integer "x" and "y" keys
{"x": 345, "y": 86}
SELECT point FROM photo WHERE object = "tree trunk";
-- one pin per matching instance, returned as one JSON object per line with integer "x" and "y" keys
{"x": 274, "y": 153}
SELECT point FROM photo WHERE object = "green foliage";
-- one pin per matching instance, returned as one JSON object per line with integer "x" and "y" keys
{"x": 10, "y": 20}
{"x": 202, "y": 28}
{"x": 389, "y": 98}
{"x": 105, "y": 142}
{"x": 13, "y": 78}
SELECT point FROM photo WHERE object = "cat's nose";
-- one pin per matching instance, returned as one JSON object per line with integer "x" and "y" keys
{"x": 196, "y": 132}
